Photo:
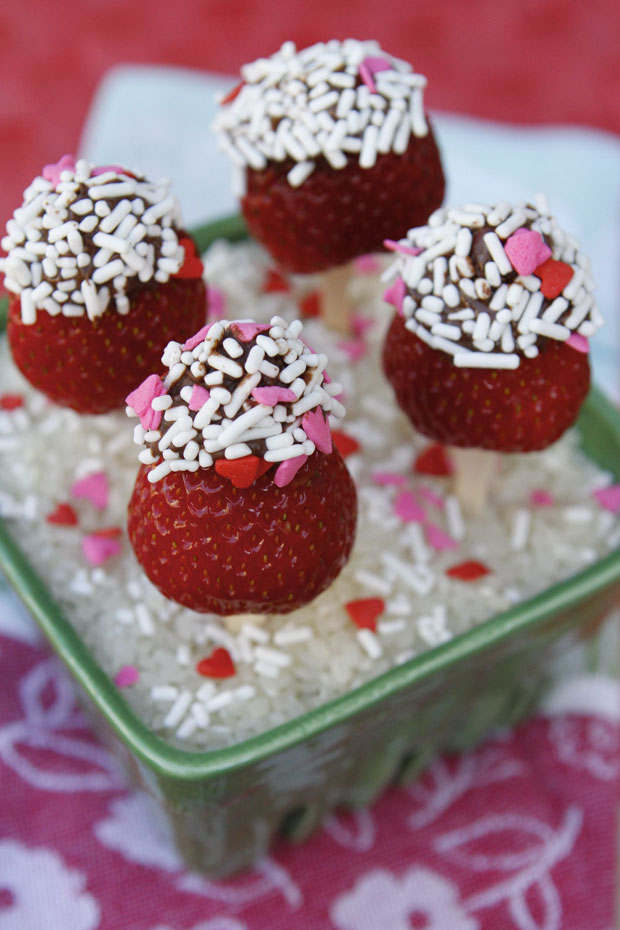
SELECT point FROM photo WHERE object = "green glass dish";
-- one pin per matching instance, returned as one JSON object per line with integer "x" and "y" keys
{"x": 227, "y": 806}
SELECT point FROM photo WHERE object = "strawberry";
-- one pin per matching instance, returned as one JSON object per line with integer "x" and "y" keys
{"x": 486, "y": 351}
{"x": 331, "y": 169}
{"x": 214, "y": 547}
{"x": 507, "y": 411}
{"x": 242, "y": 503}
{"x": 91, "y": 366}
{"x": 337, "y": 215}
{"x": 102, "y": 276}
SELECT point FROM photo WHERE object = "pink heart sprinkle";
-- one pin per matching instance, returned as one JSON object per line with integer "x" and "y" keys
{"x": 52, "y": 172}
{"x": 541, "y": 498}
{"x": 439, "y": 540}
{"x": 317, "y": 430}
{"x": 248, "y": 331}
{"x": 526, "y": 250}
{"x": 393, "y": 246}
{"x": 98, "y": 549}
{"x": 360, "y": 324}
{"x": 395, "y": 294}
{"x": 609, "y": 497}
{"x": 93, "y": 488}
{"x": 579, "y": 343}
{"x": 388, "y": 478}
{"x": 369, "y": 67}
{"x": 427, "y": 494}
{"x": 270, "y": 396}
{"x": 367, "y": 264}
{"x": 407, "y": 508}
{"x": 197, "y": 338}
{"x": 287, "y": 470}
{"x": 200, "y": 396}
{"x": 216, "y": 300}
{"x": 140, "y": 401}
{"x": 355, "y": 349}
{"x": 103, "y": 169}
{"x": 126, "y": 675}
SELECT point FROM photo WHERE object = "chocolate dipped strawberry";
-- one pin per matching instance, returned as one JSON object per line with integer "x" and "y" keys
{"x": 333, "y": 152}
{"x": 489, "y": 346}
{"x": 241, "y": 504}
{"x": 101, "y": 276}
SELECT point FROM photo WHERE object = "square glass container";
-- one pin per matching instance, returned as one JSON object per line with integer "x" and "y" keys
{"x": 227, "y": 806}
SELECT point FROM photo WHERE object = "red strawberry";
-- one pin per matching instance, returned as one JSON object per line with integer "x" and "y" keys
{"x": 101, "y": 277}
{"x": 336, "y": 215}
{"x": 92, "y": 366}
{"x": 522, "y": 410}
{"x": 331, "y": 168}
{"x": 242, "y": 503}
{"x": 214, "y": 547}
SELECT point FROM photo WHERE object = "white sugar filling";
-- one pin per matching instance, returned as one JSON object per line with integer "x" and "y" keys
{"x": 480, "y": 314}
{"x": 331, "y": 100}
{"x": 98, "y": 244}
{"x": 286, "y": 665}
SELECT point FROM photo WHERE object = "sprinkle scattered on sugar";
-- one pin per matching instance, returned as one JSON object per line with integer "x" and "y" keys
{"x": 85, "y": 236}
{"x": 406, "y": 595}
{"x": 484, "y": 283}
{"x": 329, "y": 101}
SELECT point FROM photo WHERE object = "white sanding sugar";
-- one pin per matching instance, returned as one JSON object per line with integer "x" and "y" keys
{"x": 286, "y": 665}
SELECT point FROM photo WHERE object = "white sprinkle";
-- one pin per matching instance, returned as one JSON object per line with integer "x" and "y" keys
{"x": 486, "y": 360}
{"x": 290, "y": 636}
{"x": 454, "y": 517}
{"x": 551, "y": 330}
{"x": 178, "y": 710}
{"x": 164, "y": 692}
{"x": 520, "y": 531}
{"x": 373, "y": 582}
{"x": 369, "y": 643}
{"x": 496, "y": 251}
{"x": 300, "y": 172}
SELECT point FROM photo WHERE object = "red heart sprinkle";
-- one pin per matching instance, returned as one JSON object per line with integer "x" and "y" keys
{"x": 364, "y": 612}
{"x": 218, "y": 665}
{"x": 64, "y": 515}
{"x": 108, "y": 532}
{"x": 244, "y": 471}
{"x": 554, "y": 276}
{"x": 433, "y": 461}
{"x": 230, "y": 96}
{"x": 192, "y": 264}
{"x": 468, "y": 571}
{"x": 345, "y": 444}
{"x": 11, "y": 401}
{"x": 310, "y": 306}
{"x": 275, "y": 282}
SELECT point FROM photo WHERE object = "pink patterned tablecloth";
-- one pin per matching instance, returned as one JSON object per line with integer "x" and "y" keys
{"x": 518, "y": 834}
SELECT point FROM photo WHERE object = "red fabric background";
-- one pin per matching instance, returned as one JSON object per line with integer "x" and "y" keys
{"x": 537, "y": 61}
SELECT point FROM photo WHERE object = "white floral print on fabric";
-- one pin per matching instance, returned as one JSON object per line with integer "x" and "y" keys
{"x": 421, "y": 898}
{"x": 526, "y": 850}
{"x": 74, "y": 761}
{"x": 137, "y": 830}
{"x": 590, "y": 745}
{"x": 39, "y": 891}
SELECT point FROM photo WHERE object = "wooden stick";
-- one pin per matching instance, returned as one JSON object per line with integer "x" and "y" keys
{"x": 236, "y": 622}
{"x": 335, "y": 304}
{"x": 474, "y": 470}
